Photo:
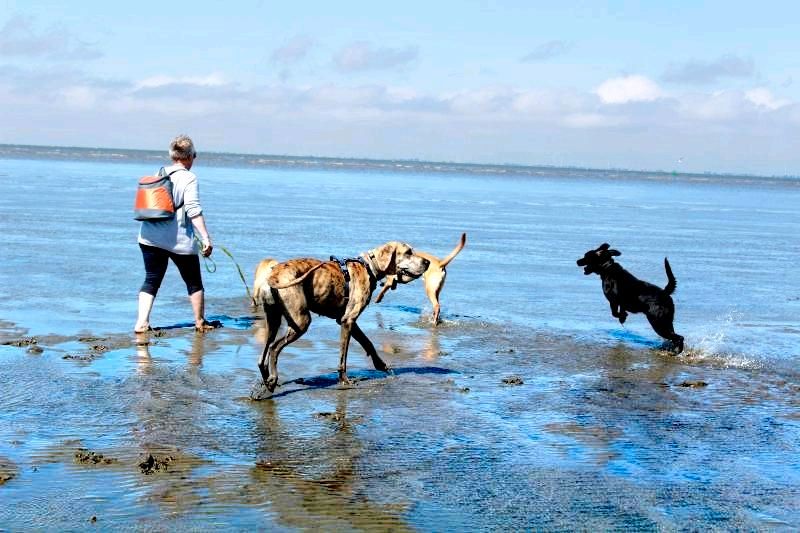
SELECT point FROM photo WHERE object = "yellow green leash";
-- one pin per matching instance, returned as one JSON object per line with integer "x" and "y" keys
{"x": 213, "y": 265}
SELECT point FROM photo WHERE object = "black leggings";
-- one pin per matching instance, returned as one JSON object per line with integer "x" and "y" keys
{"x": 156, "y": 261}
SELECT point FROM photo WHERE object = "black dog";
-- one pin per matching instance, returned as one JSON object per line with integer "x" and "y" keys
{"x": 626, "y": 293}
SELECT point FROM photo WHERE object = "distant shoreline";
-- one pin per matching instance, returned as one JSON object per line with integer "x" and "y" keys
{"x": 245, "y": 160}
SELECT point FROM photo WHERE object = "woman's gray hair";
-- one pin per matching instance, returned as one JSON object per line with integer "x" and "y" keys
{"x": 182, "y": 147}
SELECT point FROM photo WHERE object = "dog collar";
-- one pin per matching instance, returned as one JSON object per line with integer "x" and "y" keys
{"x": 607, "y": 264}
{"x": 371, "y": 264}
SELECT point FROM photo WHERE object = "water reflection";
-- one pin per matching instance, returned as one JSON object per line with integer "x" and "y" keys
{"x": 199, "y": 346}
{"x": 166, "y": 410}
{"x": 143, "y": 359}
{"x": 424, "y": 342}
{"x": 432, "y": 348}
{"x": 315, "y": 481}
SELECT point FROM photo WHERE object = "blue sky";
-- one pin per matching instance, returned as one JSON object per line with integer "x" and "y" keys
{"x": 711, "y": 86}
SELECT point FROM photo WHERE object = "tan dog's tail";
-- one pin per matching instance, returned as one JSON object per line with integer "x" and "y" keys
{"x": 274, "y": 283}
{"x": 460, "y": 246}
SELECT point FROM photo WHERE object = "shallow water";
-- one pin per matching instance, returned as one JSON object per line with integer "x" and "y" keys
{"x": 606, "y": 430}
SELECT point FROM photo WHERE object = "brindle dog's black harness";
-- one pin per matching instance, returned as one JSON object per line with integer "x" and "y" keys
{"x": 346, "y": 273}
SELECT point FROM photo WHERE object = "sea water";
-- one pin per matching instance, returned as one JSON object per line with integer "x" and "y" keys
{"x": 608, "y": 430}
{"x": 732, "y": 242}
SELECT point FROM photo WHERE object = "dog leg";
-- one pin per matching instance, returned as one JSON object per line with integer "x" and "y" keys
{"x": 262, "y": 363}
{"x": 436, "y": 310}
{"x": 386, "y": 286}
{"x": 272, "y": 322}
{"x": 274, "y": 351}
{"x": 666, "y": 330}
{"x": 344, "y": 345}
{"x": 294, "y": 332}
{"x": 365, "y": 343}
{"x": 433, "y": 292}
{"x": 618, "y": 313}
{"x": 434, "y": 282}
{"x": 677, "y": 340}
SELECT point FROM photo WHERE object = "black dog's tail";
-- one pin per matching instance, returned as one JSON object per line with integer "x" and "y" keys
{"x": 671, "y": 281}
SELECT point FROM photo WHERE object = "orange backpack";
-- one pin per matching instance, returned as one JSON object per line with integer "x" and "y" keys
{"x": 154, "y": 200}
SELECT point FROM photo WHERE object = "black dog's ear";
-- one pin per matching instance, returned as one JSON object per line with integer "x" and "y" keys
{"x": 603, "y": 246}
{"x": 614, "y": 252}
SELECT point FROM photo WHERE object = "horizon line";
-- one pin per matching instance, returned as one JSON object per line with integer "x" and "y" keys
{"x": 705, "y": 173}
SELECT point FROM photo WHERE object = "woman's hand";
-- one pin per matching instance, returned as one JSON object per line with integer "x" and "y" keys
{"x": 199, "y": 224}
{"x": 207, "y": 247}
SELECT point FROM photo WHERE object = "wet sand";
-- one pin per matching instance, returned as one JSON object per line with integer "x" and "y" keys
{"x": 529, "y": 408}
{"x": 479, "y": 426}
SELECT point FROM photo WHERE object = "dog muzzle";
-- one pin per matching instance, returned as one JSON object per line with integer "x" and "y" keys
{"x": 403, "y": 275}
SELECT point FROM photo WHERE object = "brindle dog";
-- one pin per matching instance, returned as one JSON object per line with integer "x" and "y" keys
{"x": 626, "y": 293}
{"x": 299, "y": 287}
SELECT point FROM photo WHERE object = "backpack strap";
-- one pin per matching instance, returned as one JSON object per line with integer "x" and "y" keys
{"x": 162, "y": 173}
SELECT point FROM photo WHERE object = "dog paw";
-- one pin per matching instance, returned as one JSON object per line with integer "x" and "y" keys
{"x": 346, "y": 384}
{"x": 380, "y": 366}
{"x": 259, "y": 392}
{"x": 623, "y": 317}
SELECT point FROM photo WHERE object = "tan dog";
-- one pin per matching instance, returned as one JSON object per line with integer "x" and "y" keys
{"x": 299, "y": 287}
{"x": 434, "y": 277}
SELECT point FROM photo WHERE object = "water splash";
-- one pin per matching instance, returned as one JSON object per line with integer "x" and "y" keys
{"x": 709, "y": 344}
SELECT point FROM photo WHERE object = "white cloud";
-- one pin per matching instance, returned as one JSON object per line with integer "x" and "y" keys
{"x": 763, "y": 97}
{"x": 294, "y": 51}
{"x": 729, "y": 106}
{"x": 489, "y": 123}
{"x": 20, "y": 37}
{"x": 547, "y": 50}
{"x": 633, "y": 88}
{"x": 714, "y": 107}
{"x": 79, "y": 97}
{"x": 700, "y": 72}
{"x": 547, "y": 102}
{"x": 590, "y": 120}
{"x": 362, "y": 56}
{"x": 481, "y": 101}
{"x": 211, "y": 80}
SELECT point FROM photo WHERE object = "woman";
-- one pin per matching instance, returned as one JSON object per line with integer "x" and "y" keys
{"x": 174, "y": 239}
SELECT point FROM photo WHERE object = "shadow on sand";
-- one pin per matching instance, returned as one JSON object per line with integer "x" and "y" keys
{"x": 635, "y": 339}
{"x": 241, "y": 322}
{"x": 332, "y": 379}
